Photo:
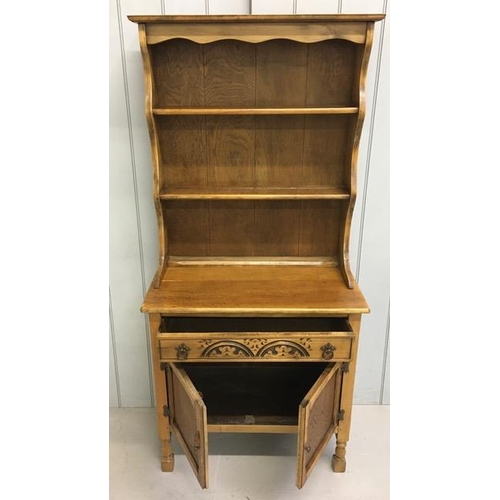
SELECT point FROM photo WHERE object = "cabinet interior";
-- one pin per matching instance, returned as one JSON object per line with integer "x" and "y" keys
{"x": 237, "y": 393}
{"x": 193, "y": 324}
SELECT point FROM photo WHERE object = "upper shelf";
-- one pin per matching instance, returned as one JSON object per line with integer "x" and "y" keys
{"x": 347, "y": 110}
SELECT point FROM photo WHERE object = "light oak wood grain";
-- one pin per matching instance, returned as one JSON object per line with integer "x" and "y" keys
{"x": 254, "y": 290}
{"x": 255, "y": 124}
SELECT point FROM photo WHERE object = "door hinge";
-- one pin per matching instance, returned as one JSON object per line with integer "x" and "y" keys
{"x": 340, "y": 415}
{"x": 166, "y": 411}
{"x": 345, "y": 367}
{"x": 163, "y": 365}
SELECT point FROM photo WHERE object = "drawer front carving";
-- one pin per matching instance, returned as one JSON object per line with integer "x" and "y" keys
{"x": 265, "y": 347}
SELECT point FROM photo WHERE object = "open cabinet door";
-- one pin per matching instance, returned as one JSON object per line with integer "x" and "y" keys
{"x": 189, "y": 421}
{"x": 317, "y": 420}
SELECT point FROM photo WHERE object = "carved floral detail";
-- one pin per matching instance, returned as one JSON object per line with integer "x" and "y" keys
{"x": 255, "y": 347}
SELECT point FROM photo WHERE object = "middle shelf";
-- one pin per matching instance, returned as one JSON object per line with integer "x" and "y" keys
{"x": 325, "y": 110}
{"x": 255, "y": 193}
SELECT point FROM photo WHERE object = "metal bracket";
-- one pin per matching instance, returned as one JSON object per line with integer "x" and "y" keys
{"x": 345, "y": 367}
{"x": 166, "y": 411}
{"x": 163, "y": 365}
{"x": 340, "y": 415}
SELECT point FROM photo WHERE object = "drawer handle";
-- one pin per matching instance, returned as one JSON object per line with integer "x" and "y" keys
{"x": 182, "y": 351}
{"x": 328, "y": 351}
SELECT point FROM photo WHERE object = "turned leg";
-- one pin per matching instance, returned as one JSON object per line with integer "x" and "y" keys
{"x": 160, "y": 382}
{"x": 338, "y": 460}
{"x": 344, "y": 425}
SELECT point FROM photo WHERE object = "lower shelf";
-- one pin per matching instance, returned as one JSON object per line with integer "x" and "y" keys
{"x": 253, "y": 423}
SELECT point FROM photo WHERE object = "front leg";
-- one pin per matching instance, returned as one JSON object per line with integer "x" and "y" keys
{"x": 344, "y": 425}
{"x": 338, "y": 460}
{"x": 160, "y": 379}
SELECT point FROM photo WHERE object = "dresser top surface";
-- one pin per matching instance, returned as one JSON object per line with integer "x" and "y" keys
{"x": 252, "y": 290}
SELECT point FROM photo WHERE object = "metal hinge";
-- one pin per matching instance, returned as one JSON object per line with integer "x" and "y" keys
{"x": 163, "y": 365}
{"x": 166, "y": 411}
{"x": 340, "y": 415}
{"x": 345, "y": 367}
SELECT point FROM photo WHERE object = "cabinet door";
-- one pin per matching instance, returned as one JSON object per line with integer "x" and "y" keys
{"x": 189, "y": 420}
{"x": 317, "y": 420}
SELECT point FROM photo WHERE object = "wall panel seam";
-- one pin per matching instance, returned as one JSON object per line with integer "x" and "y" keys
{"x": 386, "y": 350}
{"x": 339, "y": 9}
{"x": 369, "y": 148}
{"x": 136, "y": 193}
{"x": 113, "y": 348}
{"x": 162, "y": 7}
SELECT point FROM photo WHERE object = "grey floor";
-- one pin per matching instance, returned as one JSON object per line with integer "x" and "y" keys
{"x": 247, "y": 466}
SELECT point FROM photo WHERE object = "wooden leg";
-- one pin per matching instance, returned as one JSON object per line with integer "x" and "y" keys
{"x": 167, "y": 459}
{"x": 338, "y": 460}
{"x": 164, "y": 431}
{"x": 344, "y": 427}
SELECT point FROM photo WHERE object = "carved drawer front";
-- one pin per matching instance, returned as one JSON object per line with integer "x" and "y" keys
{"x": 312, "y": 343}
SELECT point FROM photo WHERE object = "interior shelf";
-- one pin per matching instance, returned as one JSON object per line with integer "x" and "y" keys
{"x": 342, "y": 110}
{"x": 255, "y": 193}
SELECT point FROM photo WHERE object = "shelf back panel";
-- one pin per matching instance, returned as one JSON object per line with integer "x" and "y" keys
{"x": 231, "y": 73}
{"x": 228, "y": 228}
{"x": 255, "y": 151}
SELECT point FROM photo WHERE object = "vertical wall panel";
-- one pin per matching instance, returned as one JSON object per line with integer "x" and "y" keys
{"x": 229, "y": 7}
{"x": 113, "y": 382}
{"x": 126, "y": 253}
{"x": 370, "y": 238}
{"x": 179, "y": 7}
{"x": 317, "y": 6}
{"x": 273, "y": 6}
{"x": 364, "y": 7}
{"x": 386, "y": 390}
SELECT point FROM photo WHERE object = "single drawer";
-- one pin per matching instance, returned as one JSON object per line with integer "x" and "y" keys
{"x": 255, "y": 339}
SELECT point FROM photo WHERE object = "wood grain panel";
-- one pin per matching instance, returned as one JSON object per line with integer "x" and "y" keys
{"x": 316, "y": 422}
{"x": 331, "y": 72}
{"x": 254, "y": 290}
{"x": 278, "y": 150}
{"x": 319, "y": 226}
{"x": 184, "y": 157}
{"x": 232, "y": 228}
{"x": 187, "y": 227}
{"x": 178, "y": 73}
{"x": 281, "y": 73}
{"x": 231, "y": 145}
{"x": 276, "y": 228}
{"x": 325, "y": 150}
{"x": 229, "y": 74}
{"x": 321, "y": 419}
{"x": 190, "y": 422}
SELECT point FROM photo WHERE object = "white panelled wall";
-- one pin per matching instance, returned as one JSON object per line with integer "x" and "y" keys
{"x": 133, "y": 234}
